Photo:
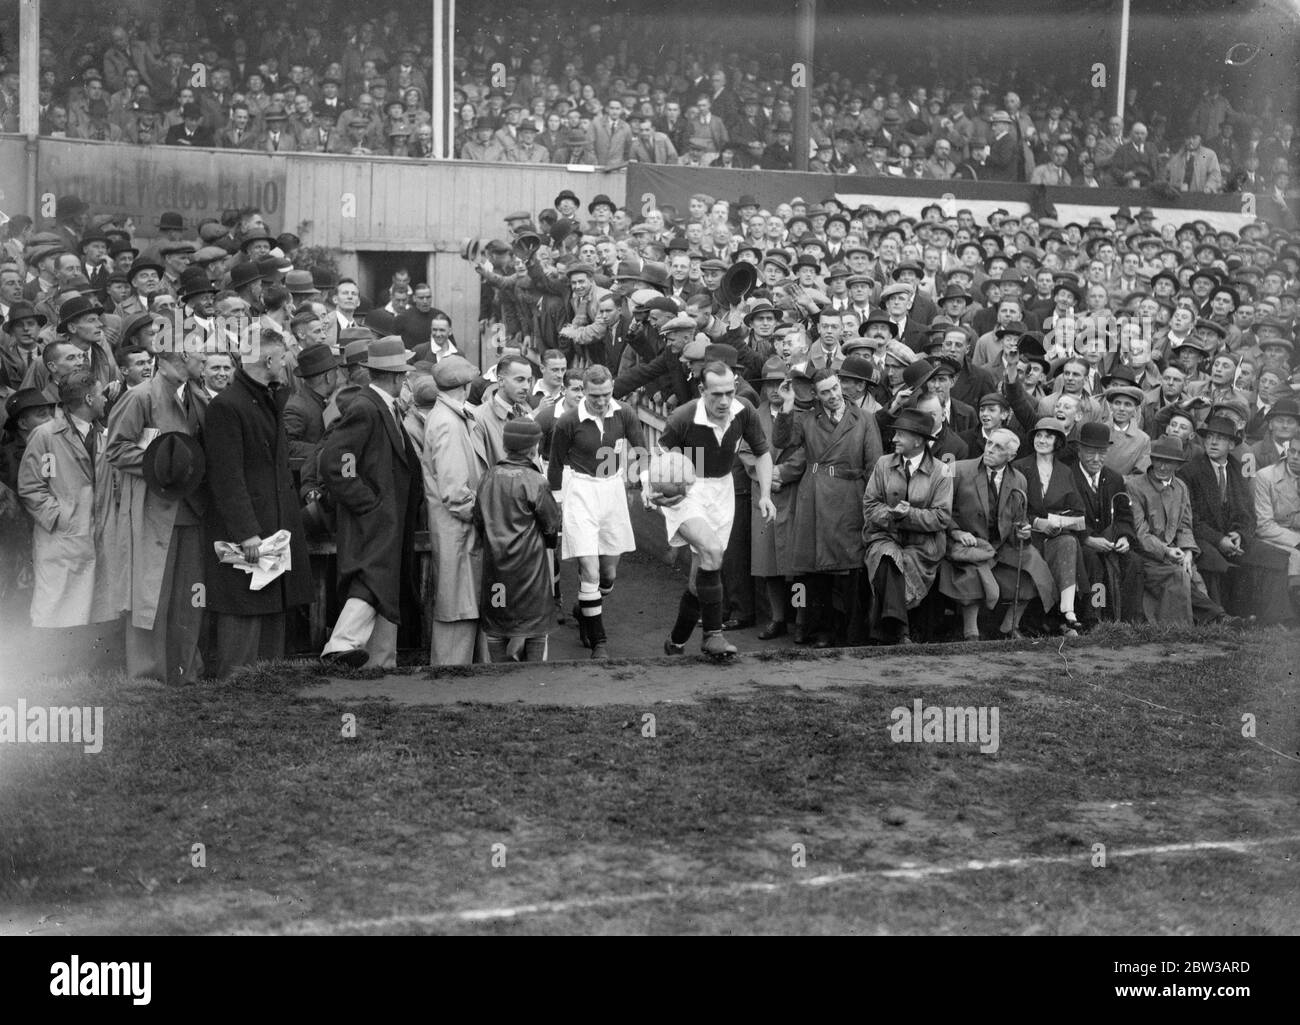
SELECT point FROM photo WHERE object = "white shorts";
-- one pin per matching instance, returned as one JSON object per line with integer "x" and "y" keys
{"x": 712, "y": 499}
{"x": 596, "y": 520}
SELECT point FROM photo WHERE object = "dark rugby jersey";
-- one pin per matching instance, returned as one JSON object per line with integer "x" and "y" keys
{"x": 579, "y": 442}
{"x": 688, "y": 431}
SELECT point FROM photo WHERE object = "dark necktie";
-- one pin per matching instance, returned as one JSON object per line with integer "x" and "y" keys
{"x": 1223, "y": 482}
{"x": 1189, "y": 170}
{"x": 89, "y": 441}
{"x": 995, "y": 535}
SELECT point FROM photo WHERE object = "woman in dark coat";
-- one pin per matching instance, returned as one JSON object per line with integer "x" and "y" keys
{"x": 252, "y": 497}
{"x": 1055, "y": 513}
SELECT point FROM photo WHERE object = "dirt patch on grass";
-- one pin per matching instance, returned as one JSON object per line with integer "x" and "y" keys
{"x": 584, "y": 685}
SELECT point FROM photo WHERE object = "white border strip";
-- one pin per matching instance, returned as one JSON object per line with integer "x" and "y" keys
{"x": 907, "y": 872}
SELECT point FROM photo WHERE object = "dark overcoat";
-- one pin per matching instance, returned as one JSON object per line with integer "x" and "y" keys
{"x": 251, "y": 494}
{"x": 371, "y": 471}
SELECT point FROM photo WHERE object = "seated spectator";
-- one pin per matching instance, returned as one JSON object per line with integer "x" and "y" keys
{"x": 989, "y": 558}
{"x": 1055, "y": 513}
{"x": 1162, "y": 517}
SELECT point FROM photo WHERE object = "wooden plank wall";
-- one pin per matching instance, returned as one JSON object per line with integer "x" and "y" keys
{"x": 353, "y": 204}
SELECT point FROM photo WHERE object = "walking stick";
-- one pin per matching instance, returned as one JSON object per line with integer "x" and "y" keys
{"x": 1112, "y": 562}
{"x": 1017, "y": 523}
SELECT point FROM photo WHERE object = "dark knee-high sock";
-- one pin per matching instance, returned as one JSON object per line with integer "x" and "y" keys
{"x": 708, "y": 585}
{"x": 590, "y": 608}
{"x": 688, "y": 611}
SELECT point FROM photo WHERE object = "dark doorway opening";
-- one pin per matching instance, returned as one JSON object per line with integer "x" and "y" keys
{"x": 375, "y": 270}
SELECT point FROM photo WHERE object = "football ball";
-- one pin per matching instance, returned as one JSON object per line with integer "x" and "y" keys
{"x": 671, "y": 475}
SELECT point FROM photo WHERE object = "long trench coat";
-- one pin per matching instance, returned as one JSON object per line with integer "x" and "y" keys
{"x": 369, "y": 466}
{"x": 70, "y": 502}
{"x": 453, "y": 461}
{"x": 772, "y": 543}
{"x": 141, "y": 522}
{"x": 918, "y": 541}
{"x": 827, "y": 533}
{"x": 519, "y": 522}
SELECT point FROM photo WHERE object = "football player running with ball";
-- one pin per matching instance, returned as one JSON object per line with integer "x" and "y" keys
{"x": 690, "y": 481}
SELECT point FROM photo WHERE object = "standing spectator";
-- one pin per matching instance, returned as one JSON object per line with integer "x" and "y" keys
{"x": 251, "y": 498}
{"x": 1003, "y": 161}
{"x": 841, "y": 445}
{"x": 369, "y": 466}
{"x": 304, "y": 412}
{"x": 519, "y": 523}
{"x": 65, "y": 484}
{"x": 1134, "y": 162}
{"x": 1194, "y": 168}
{"x": 611, "y": 136}
{"x": 154, "y": 443}
{"x": 453, "y": 461}
{"x": 708, "y": 134}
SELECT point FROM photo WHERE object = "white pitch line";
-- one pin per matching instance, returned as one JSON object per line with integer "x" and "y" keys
{"x": 907, "y": 872}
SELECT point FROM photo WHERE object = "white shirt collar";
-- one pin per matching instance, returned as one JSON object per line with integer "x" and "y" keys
{"x": 83, "y": 427}
{"x": 702, "y": 416}
{"x": 389, "y": 401}
{"x": 914, "y": 463}
{"x": 584, "y": 414}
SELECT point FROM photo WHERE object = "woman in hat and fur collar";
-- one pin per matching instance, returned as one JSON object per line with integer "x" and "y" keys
{"x": 1055, "y": 512}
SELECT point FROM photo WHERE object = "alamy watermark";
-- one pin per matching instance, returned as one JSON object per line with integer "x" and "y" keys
{"x": 37, "y": 724}
{"x": 944, "y": 724}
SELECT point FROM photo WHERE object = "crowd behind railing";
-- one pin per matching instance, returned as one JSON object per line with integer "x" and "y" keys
{"x": 950, "y": 428}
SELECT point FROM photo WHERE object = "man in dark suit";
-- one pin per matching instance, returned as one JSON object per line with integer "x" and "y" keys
{"x": 956, "y": 414}
{"x": 1223, "y": 510}
{"x": 1004, "y": 149}
{"x": 191, "y": 131}
{"x": 1134, "y": 161}
{"x": 1106, "y": 548}
{"x": 372, "y": 473}
{"x": 252, "y": 497}
{"x": 304, "y": 412}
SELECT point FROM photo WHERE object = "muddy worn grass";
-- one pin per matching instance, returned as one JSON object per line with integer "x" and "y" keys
{"x": 304, "y": 829}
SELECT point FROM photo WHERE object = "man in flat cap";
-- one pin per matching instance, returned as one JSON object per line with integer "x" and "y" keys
{"x": 453, "y": 461}
{"x": 1162, "y": 518}
{"x": 370, "y": 469}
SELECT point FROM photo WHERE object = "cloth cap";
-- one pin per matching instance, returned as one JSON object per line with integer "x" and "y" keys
{"x": 521, "y": 435}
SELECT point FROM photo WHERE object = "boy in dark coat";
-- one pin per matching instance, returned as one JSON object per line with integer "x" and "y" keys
{"x": 519, "y": 521}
